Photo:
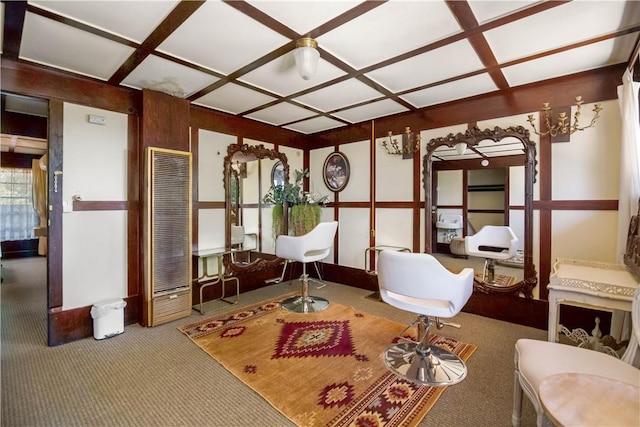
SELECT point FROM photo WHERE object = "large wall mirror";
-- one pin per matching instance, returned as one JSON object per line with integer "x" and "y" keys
{"x": 479, "y": 178}
{"x": 247, "y": 176}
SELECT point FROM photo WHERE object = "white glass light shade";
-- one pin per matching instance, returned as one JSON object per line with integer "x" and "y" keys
{"x": 306, "y": 61}
{"x": 306, "y": 56}
{"x": 461, "y": 148}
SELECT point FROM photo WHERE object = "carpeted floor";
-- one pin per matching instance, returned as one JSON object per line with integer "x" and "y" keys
{"x": 157, "y": 377}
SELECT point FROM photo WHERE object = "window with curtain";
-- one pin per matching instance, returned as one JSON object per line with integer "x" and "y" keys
{"x": 17, "y": 217}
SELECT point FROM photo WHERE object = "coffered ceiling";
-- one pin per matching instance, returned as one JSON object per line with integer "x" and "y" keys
{"x": 378, "y": 58}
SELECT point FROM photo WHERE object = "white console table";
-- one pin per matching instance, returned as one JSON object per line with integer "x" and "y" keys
{"x": 593, "y": 285}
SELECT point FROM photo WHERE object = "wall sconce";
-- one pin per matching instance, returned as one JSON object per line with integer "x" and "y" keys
{"x": 410, "y": 144}
{"x": 306, "y": 56}
{"x": 563, "y": 126}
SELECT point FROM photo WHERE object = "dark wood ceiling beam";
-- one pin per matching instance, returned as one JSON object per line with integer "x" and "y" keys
{"x": 467, "y": 20}
{"x": 244, "y": 70}
{"x": 14, "y": 13}
{"x": 178, "y": 15}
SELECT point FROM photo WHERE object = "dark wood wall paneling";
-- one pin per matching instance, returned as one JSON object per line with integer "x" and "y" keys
{"x": 21, "y": 78}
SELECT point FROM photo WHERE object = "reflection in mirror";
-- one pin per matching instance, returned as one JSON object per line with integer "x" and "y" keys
{"x": 476, "y": 179}
{"x": 247, "y": 176}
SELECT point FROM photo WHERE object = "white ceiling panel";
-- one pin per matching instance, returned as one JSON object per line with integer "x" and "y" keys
{"x": 167, "y": 76}
{"x": 485, "y": 10}
{"x": 371, "y": 111}
{"x": 317, "y": 124}
{"x": 459, "y": 89}
{"x": 341, "y": 94}
{"x": 233, "y": 98}
{"x": 233, "y": 42}
{"x": 51, "y": 43}
{"x": 372, "y": 37}
{"x": 560, "y": 26}
{"x": 133, "y": 20}
{"x": 278, "y": 114}
{"x": 589, "y": 57}
{"x": 303, "y": 16}
{"x": 448, "y": 61}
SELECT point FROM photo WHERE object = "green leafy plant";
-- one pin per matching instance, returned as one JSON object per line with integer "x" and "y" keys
{"x": 304, "y": 208}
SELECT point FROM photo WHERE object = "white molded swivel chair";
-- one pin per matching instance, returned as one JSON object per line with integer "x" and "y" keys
{"x": 418, "y": 283}
{"x": 311, "y": 247}
{"x": 492, "y": 242}
{"x": 535, "y": 360}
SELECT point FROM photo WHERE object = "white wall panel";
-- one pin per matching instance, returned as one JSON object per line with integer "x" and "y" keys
{"x": 357, "y": 189}
{"x": 94, "y": 156}
{"x": 210, "y": 235}
{"x": 449, "y": 188}
{"x": 353, "y": 236}
{"x": 588, "y": 167}
{"x": 586, "y": 235}
{"x": 212, "y": 149}
{"x": 294, "y": 159}
{"x": 316, "y": 180}
{"x": 210, "y": 228}
{"x": 394, "y": 175}
{"x": 518, "y": 120}
{"x": 394, "y": 227}
{"x": 94, "y": 254}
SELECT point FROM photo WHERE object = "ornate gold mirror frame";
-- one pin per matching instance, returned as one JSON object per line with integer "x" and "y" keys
{"x": 238, "y": 154}
{"x": 472, "y": 138}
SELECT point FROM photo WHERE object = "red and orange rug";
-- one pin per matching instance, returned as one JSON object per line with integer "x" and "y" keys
{"x": 319, "y": 369}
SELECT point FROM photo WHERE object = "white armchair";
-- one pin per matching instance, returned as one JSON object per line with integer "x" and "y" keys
{"x": 311, "y": 247}
{"x": 536, "y": 360}
{"x": 418, "y": 283}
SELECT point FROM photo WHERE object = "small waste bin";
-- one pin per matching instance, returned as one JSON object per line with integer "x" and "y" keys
{"x": 108, "y": 318}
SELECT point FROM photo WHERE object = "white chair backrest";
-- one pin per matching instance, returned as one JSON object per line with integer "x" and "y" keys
{"x": 632, "y": 353}
{"x": 493, "y": 235}
{"x": 421, "y": 276}
{"x": 237, "y": 234}
{"x": 313, "y": 246}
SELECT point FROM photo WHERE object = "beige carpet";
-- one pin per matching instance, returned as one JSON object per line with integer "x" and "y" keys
{"x": 319, "y": 369}
{"x": 154, "y": 377}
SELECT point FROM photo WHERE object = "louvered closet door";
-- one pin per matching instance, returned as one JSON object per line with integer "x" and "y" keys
{"x": 168, "y": 230}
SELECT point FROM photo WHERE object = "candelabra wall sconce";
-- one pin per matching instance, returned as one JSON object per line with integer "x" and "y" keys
{"x": 563, "y": 128}
{"x": 409, "y": 145}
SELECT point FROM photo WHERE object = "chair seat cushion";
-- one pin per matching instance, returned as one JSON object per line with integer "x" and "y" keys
{"x": 539, "y": 359}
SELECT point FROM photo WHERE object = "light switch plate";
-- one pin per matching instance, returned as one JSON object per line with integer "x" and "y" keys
{"x": 98, "y": 120}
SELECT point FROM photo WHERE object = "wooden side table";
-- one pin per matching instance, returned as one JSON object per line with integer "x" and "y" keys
{"x": 572, "y": 399}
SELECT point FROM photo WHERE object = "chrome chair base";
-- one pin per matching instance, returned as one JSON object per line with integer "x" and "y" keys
{"x": 433, "y": 366}
{"x": 307, "y": 304}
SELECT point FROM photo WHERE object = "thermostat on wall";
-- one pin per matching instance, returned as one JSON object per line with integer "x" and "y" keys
{"x": 98, "y": 120}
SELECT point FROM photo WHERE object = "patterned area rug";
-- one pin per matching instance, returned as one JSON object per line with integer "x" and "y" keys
{"x": 319, "y": 369}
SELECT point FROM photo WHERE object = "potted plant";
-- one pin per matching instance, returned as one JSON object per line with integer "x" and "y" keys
{"x": 302, "y": 208}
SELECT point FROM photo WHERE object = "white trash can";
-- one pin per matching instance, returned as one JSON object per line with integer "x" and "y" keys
{"x": 108, "y": 318}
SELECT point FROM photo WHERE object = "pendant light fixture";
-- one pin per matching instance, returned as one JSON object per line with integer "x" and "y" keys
{"x": 306, "y": 56}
